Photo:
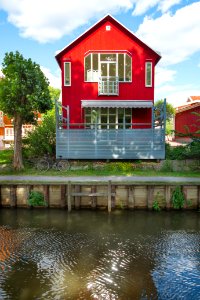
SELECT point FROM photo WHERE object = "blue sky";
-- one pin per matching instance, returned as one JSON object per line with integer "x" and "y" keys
{"x": 37, "y": 29}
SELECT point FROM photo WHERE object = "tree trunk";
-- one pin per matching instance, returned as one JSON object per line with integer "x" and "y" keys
{"x": 17, "y": 162}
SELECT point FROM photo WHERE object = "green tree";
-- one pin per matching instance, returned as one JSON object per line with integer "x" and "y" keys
{"x": 54, "y": 93}
{"x": 170, "y": 110}
{"x": 23, "y": 92}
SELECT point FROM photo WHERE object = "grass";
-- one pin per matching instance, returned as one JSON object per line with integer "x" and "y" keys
{"x": 109, "y": 169}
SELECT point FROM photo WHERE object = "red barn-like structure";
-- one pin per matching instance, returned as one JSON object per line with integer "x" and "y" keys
{"x": 186, "y": 117}
{"x": 107, "y": 87}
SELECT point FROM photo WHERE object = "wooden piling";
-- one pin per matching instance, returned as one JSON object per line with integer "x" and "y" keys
{"x": 46, "y": 194}
{"x": 63, "y": 196}
{"x": 69, "y": 205}
{"x": 198, "y": 205}
{"x": 150, "y": 190}
{"x": 167, "y": 196}
{"x": 109, "y": 196}
{"x": 13, "y": 196}
{"x": 93, "y": 198}
{"x": 77, "y": 199}
{"x": 131, "y": 197}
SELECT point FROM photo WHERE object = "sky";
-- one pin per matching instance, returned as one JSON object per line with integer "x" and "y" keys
{"x": 39, "y": 28}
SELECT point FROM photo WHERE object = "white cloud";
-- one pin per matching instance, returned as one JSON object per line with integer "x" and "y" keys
{"x": 164, "y": 6}
{"x": 142, "y": 6}
{"x": 163, "y": 75}
{"x": 176, "y": 94}
{"x": 54, "y": 79}
{"x": 175, "y": 36}
{"x": 49, "y": 20}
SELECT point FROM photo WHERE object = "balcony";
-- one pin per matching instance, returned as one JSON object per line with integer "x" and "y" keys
{"x": 108, "y": 86}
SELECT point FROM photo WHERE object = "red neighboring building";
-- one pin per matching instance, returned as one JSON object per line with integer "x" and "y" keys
{"x": 107, "y": 81}
{"x": 185, "y": 119}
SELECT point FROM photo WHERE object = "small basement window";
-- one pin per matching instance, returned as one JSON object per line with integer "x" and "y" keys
{"x": 67, "y": 73}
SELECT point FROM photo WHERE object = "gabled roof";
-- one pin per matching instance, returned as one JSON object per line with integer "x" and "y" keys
{"x": 97, "y": 25}
{"x": 193, "y": 98}
{"x": 188, "y": 106}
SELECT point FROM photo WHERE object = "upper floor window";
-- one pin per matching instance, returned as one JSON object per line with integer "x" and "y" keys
{"x": 148, "y": 74}
{"x": 98, "y": 65}
{"x": 67, "y": 73}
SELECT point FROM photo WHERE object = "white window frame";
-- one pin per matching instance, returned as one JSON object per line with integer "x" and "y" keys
{"x": 100, "y": 61}
{"x": 99, "y": 118}
{"x": 69, "y": 63}
{"x": 146, "y": 74}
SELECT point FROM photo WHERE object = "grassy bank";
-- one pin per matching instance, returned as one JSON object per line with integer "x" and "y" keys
{"x": 99, "y": 168}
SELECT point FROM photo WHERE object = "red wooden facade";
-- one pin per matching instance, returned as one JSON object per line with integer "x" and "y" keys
{"x": 186, "y": 118}
{"x": 108, "y": 37}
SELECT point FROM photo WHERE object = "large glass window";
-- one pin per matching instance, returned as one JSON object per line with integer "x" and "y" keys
{"x": 108, "y": 118}
{"x": 67, "y": 73}
{"x": 108, "y": 65}
{"x": 148, "y": 74}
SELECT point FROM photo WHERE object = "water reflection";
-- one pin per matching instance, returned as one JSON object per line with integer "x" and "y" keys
{"x": 50, "y": 254}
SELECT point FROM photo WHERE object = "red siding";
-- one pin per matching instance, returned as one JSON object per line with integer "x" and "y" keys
{"x": 102, "y": 40}
{"x": 187, "y": 118}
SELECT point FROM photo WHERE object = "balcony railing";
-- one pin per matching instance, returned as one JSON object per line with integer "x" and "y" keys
{"x": 108, "y": 85}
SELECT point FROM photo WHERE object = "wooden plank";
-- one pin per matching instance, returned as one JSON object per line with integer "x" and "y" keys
{"x": 109, "y": 196}
{"x": 168, "y": 197}
{"x": 94, "y": 197}
{"x": 77, "y": 199}
{"x": 69, "y": 205}
{"x": 63, "y": 196}
{"x": 131, "y": 197}
{"x": 150, "y": 190}
{"x": 13, "y": 196}
{"x": 91, "y": 194}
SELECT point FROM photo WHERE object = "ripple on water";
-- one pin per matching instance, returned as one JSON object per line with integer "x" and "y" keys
{"x": 176, "y": 273}
{"x": 53, "y": 264}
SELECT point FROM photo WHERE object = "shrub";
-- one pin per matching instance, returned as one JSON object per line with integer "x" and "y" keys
{"x": 119, "y": 166}
{"x": 42, "y": 140}
{"x": 178, "y": 198}
{"x": 36, "y": 199}
{"x": 156, "y": 206}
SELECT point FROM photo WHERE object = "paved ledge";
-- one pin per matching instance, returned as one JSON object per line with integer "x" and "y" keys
{"x": 15, "y": 179}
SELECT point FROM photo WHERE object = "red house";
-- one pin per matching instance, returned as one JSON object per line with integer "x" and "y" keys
{"x": 186, "y": 120}
{"x": 108, "y": 93}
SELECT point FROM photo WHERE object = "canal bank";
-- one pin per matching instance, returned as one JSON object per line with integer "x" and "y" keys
{"x": 105, "y": 192}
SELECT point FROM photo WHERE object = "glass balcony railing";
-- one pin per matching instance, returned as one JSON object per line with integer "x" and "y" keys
{"x": 108, "y": 85}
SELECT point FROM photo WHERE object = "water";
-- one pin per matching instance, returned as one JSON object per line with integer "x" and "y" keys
{"x": 50, "y": 254}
